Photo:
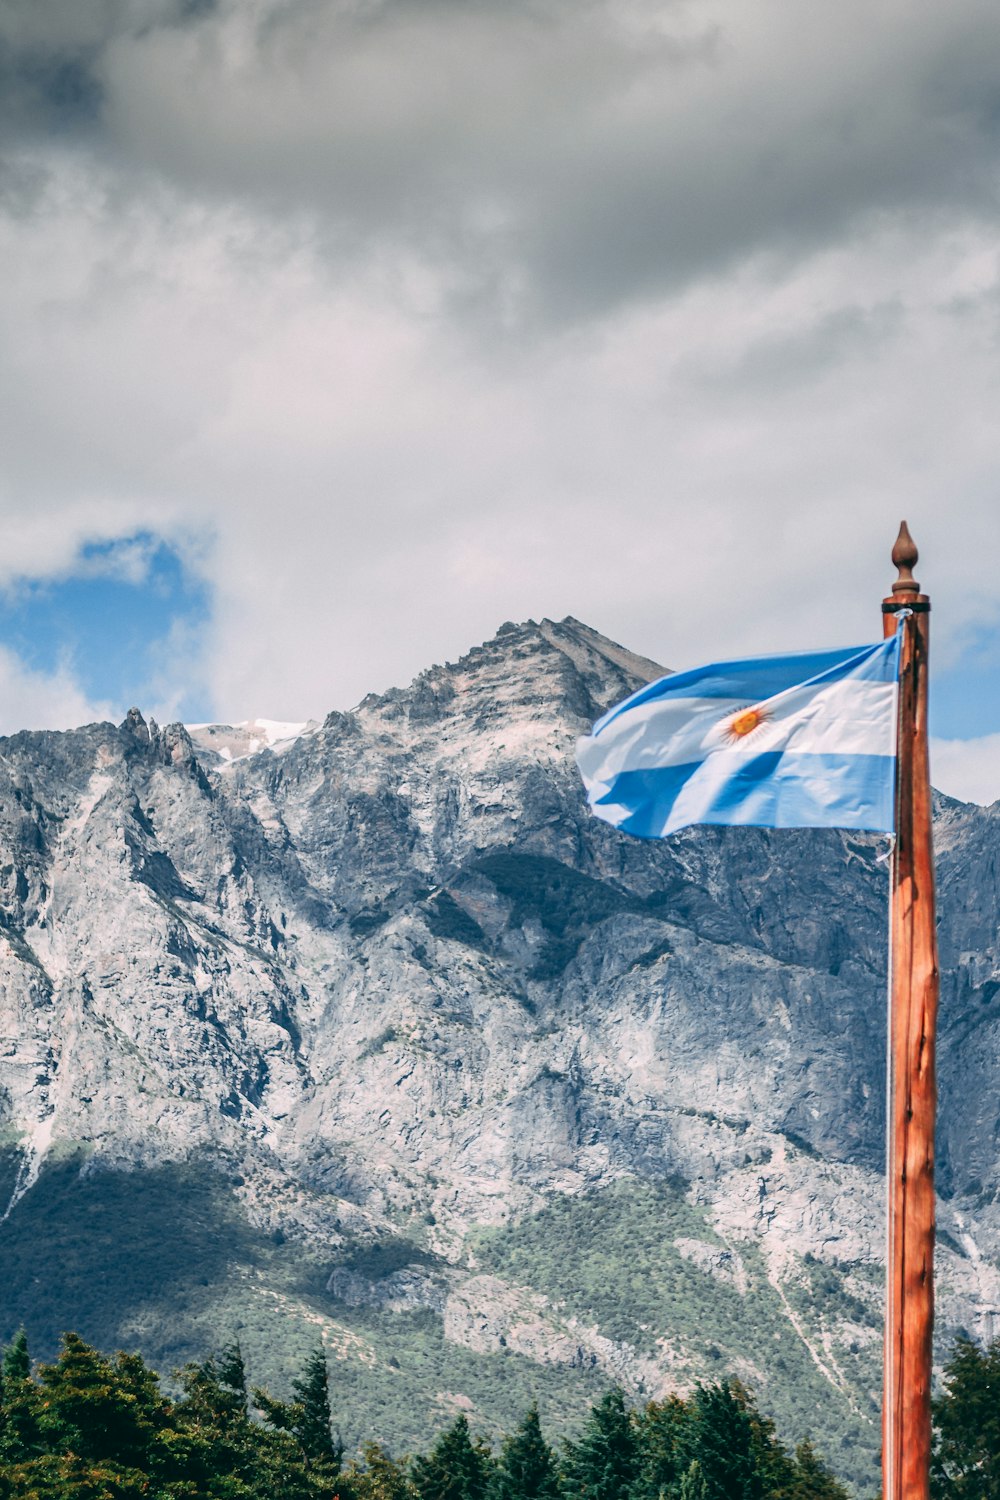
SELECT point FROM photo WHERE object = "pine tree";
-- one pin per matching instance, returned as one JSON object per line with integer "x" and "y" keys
{"x": 966, "y": 1460}
{"x": 215, "y": 1390}
{"x": 230, "y": 1457}
{"x": 98, "y": 1409}
{"x": 660, "y": 1428}
{"x": 381, "y": 1478}
{"x": 456, "y": 1468}
{"x": 813, "y": 1480}
{"x": 771, "y": 1461}
{"x": 98, "y": 1428}
{"x": 231, "y": 1372}
{"x": 693, "y": 1486}
{"x": 313, "y": 1426}
{"x": 720, "y": 1439}
{"x": 307, "y": 1419}
{"x": 16, "y": 1361}
{"x": 18, "y": 1418}
{"x": 526, "y": 1468}
{"x": 220, "y": 1447}
{"x": 603, "y": 1462}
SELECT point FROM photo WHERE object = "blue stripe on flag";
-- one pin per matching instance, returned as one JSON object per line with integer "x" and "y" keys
{"x": 776, "y": 789}
{"x": 759, "y": 677}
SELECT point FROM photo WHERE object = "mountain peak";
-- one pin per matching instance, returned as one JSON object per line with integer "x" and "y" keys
{"x": 563, "y": 665}
{"x": 581, "y": 643}
{"x": 535, "y": 677}
{"x": 607, "y": 666}
{"x": 586, "y": 647}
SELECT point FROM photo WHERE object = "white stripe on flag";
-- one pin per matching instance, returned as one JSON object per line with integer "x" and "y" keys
{"x": 845, "y": 717}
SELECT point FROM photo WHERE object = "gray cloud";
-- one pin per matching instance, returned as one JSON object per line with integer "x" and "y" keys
{"x": 51, "y": 55}
{"x": 558, "y": 157}
{"x": 423, "y": 316}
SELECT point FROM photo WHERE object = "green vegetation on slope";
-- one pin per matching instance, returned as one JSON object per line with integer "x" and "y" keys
{"x": 164, "y": 1260}
{"x": 610, "y": 1258}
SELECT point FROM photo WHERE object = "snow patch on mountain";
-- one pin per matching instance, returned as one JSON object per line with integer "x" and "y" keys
{"x": 232, "y": 742}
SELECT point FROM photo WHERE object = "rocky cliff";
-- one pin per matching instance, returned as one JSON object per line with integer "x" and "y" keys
{"x": 368, "y": 1031}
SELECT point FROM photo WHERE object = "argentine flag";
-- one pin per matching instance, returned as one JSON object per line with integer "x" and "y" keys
{"x": 806, "y": 741}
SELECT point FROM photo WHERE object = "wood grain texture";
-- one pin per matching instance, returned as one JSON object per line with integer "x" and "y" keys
{"x": 914, "y": 1001}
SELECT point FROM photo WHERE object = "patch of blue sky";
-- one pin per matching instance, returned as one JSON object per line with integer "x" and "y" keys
{"x": 126, "y": 620}
{"x": 965, "y": 691}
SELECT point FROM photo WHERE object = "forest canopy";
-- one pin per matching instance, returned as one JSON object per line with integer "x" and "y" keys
{"x": 93, "y": 1427}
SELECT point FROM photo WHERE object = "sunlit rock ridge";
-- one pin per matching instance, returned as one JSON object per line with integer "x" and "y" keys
{"x": 368, "y": 1031}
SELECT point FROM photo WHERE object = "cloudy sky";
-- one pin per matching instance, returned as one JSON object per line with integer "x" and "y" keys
{"x": 334, "y": 333}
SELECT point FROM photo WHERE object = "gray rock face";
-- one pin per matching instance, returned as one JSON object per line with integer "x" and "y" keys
{"x": 391, "y": 973}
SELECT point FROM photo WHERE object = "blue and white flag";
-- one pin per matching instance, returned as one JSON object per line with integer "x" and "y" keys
{"x": 806, "y": 741}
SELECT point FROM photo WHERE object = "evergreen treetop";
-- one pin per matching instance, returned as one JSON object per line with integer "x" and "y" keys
{"x": 314, "y": 1427}
{"x": 16, "y": 1362}
{"x": 603, "y": 1463}
{"x": 966, "y": 1460}
{"x": 693, "y": 1486}
{"x": 456, "y": 1468}
{"x": 720, "y": 1439}
{"x": 813, "y": 1480}
{"x": 526, "y": 1468}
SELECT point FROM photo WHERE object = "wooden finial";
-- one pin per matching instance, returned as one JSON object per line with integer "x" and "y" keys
{"x": 905, "y": 555}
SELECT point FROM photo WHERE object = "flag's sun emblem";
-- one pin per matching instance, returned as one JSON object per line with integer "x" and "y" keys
{"x": 740, "y": 725}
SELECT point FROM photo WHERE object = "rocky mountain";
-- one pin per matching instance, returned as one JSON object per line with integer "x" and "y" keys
{"x": 367, "y": 1032}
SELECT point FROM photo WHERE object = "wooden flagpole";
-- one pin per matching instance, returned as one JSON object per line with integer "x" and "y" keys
{"x": 911, "y": 1107}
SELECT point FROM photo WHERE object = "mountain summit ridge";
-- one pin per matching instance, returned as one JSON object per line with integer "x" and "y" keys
{"x": 393, "y": 998}
{"x": 606, "y": 670}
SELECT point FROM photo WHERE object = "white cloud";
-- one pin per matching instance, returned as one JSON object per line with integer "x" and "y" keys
{"x": 39, "y": 700}
{"x": 668, "y": 337}
{"x": 968, "y": 769}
